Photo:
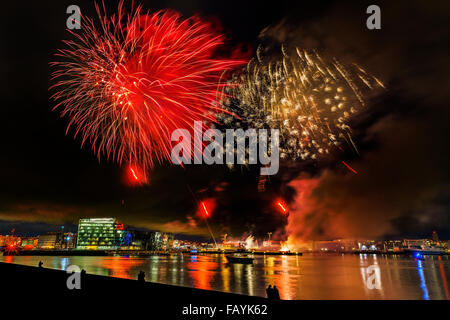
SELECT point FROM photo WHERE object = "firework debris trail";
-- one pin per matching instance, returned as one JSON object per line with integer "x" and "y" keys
{"x": 202, "y": 205}
{"x": 129, "y": 83}
{"x": 310, "y": 99}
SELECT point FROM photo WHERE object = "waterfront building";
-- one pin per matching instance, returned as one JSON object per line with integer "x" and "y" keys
{"x": 271, "y": 245}
{"x": 346, "y": 245}
{"x": 109, "y": 234}
{"x": 8, "y": 240}
{"x": 331, "y": 246}
{"x": 146, "y": 240}
{"x": 415, "y": 243}
{"x": 370, "y": 245}
{"x": 232, "y": 244}
{"x": 68, "y": 241}
{"x": 161, "y": 241}
{"x": 338, "y": 245}
{"x": 182, "y": 245}
{"x": 49, "y": 240}
{"x": 393, "y": 245}
{"x": 135, "y": 240}
{"x": 100, "y": 234}
{"x": 29, "y": 243}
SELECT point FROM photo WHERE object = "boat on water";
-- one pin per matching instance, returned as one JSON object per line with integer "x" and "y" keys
{"x": 426, "y": 250}
{"x": 238, "y": 258}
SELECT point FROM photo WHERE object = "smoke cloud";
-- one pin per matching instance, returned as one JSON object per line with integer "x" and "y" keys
{"x": 403, "y": 181}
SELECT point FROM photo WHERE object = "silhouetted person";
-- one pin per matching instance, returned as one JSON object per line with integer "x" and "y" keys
{"x": 83, "y": 272}
{"x": 276, "y": 294}
{"x": 141, "y": 276}
{"x": 41, "y": 264}
{"x": 269, "y": 292}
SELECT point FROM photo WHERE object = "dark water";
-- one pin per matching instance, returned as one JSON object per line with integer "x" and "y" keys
{"x": 308, "y": 277}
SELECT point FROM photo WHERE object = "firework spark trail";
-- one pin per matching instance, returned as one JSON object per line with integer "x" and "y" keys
{"x": 126, "y": 85}
{"x": 134, "y": 174}
{"x": 204, "y": 208}
{"x": 349, "y": 168}
{"x": 308, "y": 98}
{"x": 282, "y": 206}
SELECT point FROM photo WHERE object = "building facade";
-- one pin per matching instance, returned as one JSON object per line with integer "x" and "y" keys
{"x": 68, "y": 241}
{"x": 49, "y": 240}
{"x": 147, "y": 240}
{"x": 160, "y": 241}
{"x": 29, "y": 242}
{"x": 8, "y": 240}
{"x": 100, "y": 234}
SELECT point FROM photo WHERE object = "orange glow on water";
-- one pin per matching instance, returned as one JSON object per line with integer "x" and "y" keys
{"x": 120, "y": 267}
{"x": 202, "y": 272}
{"x": 444, "y": 278}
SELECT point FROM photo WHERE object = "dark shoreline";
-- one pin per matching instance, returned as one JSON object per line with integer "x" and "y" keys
{"x": 21, "y": 277}
{"x": 48, "y": 287}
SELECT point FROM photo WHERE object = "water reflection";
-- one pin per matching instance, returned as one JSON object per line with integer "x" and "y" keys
{"x": 64, "y": 263}
{"x": 121, "y": 267}
{"x": 202, "y": 272}
{"x": 444, "y": 278}
{"x": 371, "y": 275}
{"x": 324, "y": 276}
{"x": 225, "y": 273}
{"x": 423, "y": 283}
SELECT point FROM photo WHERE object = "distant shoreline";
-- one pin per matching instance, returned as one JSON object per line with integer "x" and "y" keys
{"x": 103, "y": 253}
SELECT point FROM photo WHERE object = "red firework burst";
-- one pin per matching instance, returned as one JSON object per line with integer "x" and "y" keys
{"x": 127, "y": 85}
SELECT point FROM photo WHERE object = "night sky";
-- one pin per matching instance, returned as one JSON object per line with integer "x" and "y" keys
{"x": 403, "y": 185}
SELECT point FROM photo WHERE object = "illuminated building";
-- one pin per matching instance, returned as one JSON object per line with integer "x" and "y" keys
{"x": 49, "y": 240}
{"x": 29, "y": 242}
{"x": 146, "y": 240}
{"x": 135, "y": 240}
{"x": 100, "y": 234}
{"x": 232, "y": 245}
{"x": 415, "y": 243}
{"x": 161, "y": 241}
{"x": 68, "y": 241}
{"x": 393, "y": 245}
{"x": 8, "y": 240}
